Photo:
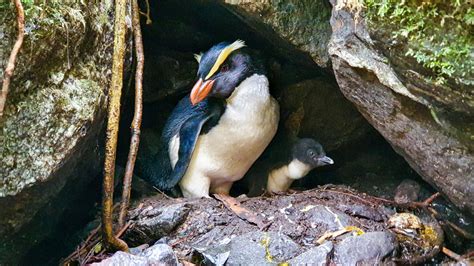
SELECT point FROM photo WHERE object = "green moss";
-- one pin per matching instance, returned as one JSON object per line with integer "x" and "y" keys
{"x": 59, "y": 88}
{"x": 438, "y": 34}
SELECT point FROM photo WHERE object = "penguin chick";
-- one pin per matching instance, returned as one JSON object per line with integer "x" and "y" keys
{"x": 306, "y": 154}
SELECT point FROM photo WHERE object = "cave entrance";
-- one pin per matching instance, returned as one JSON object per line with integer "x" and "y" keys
{"x": 311, "y": 103}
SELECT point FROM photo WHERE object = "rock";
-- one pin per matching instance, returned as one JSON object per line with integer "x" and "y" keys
{"x": 123, "y": 258}
{"x": 331, "y": 219}
{"x": 369, "y": 248}
{"x": 317, "y": 109}
{"x": 159, "y": 254}
{"x": 407, "y": 191}
{"x": 261, "y": 248}
{"x": 290, "y": 20}
{"x": 213, "y": 247}
{"x": 154, "y": 223}
{"x": 408, "y": 120}
{"x": 167, "y": 74}
{"x": 213, "y": 234}
{"x": 318, "y": 255}
{"x": 54, "y": 114}
{"x": 174, "y": 33}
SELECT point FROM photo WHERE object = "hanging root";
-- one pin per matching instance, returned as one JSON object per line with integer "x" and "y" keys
{"x": 11, "y": 60}
{"x": 137, "y": 118}
{"x": 115, "y": 92}
{"x": 147, "y": 14}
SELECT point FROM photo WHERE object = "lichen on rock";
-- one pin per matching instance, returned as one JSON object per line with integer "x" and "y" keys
{"x": 45, "y": 126}
{"x": 56, "y": 91}
{"x": 55, "y": 111}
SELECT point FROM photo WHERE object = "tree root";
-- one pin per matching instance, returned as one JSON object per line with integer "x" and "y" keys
{"x": 137, "y": 118}
{"x": 11, "y": 60}
{"x": 115, "y": 92}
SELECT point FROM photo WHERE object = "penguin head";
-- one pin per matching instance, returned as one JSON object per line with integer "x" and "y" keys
{"x": 221, "y": 69}
{"x": 310, "y": 152}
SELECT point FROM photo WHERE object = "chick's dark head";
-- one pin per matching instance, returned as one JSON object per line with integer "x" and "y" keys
{"x": 310, "y": 152}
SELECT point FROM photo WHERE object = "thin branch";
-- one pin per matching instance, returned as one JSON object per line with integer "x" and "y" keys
{"x": 461, "y": 231}
{"x": 429, "y": 200}
{"x": 11, "y": 60}
{"x": 115, "y": 92}
{"x": 147, "y": 14}
{"x": 124, "y": 228}
{"x": 137, "y": 117}
{"x": 452, "y": 254}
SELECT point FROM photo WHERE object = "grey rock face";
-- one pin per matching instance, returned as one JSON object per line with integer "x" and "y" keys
{"x": 368, "y": 248}
{"x": 303, "y": 24}
{"x": 407, "y": 120}
{"x": 168, "y": 74}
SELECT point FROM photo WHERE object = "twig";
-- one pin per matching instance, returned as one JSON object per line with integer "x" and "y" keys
{"x": 115, "y": 92}
{"x": 455, "y": 227}
{"x": 461, "y": 231}
{"x": 233, "y": 205}
{"x": 84, "y": 247}
{"x": 181, "y": 240}
{"x": 137, "y": 117}
{"x": 162, "y": 193}
{"x": 11, "y": 60}
{"x": 124, "y": 228}
{"x": 468, "y": 255}
{"x": 147, "y": 14}
{"x": 453, "y": 255}
{"x": 429, "y": 200}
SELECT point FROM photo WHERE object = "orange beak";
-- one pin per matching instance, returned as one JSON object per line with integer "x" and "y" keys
{"x": 201, "y": 90}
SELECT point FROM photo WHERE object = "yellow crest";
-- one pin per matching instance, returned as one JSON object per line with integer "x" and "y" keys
{"x": 198, "y": 57}
{"x": 223, "y": 56}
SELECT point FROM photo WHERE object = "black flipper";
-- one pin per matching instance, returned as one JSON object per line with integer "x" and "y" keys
{"x": 188, "y": 136}
{"x": 189, "y": 122}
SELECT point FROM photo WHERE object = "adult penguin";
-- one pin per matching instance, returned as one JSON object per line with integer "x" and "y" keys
{"x": 215, "y": 134}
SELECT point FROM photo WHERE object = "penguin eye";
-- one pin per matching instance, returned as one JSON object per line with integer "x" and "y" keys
{"x": 311, "y": 153}
{"x": 224, "y": 68}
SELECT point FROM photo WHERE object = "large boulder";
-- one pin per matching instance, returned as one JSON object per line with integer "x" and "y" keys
{"x": 303, "y": 24}
{"x": 55, "y": 111}
{"x": 427, "y": 124}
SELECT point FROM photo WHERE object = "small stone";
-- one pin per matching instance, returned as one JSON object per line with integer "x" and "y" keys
{"x": 317, "y": 255}
{"x": 332, "y": 219}
{"x": 261, "y": 248}
{"x": 160, "y": 254}
{"x": 155, "y": 223}
{"x": 407, "y": 191}
{"x": 122, "y": 258}
{"x": 369, "y": 248}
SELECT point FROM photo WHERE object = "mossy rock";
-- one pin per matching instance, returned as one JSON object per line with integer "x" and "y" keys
{"x": 55, "y": 111}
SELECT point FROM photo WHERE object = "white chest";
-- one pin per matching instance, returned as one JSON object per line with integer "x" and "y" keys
{"x": 281, "y": 179}
{"x": 247, "y": 126}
